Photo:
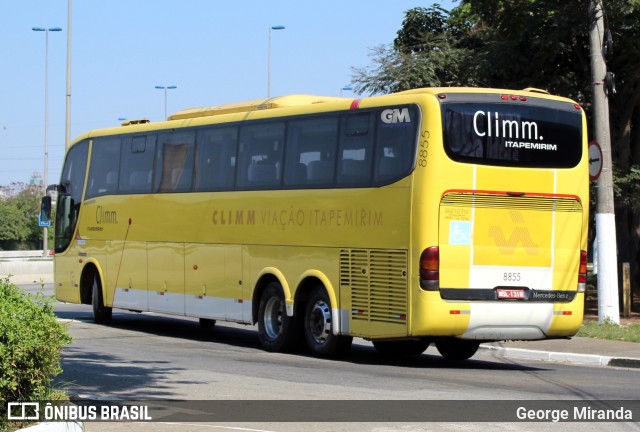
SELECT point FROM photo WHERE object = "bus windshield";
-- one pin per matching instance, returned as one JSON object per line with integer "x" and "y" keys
{"x": 513, "y": 134}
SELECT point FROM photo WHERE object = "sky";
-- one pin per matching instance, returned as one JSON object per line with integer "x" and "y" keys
{"x": 213, "y": 51}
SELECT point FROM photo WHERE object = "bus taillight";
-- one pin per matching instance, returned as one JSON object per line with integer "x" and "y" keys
{"x": 430, "y": 268}
{"x": 582, "y": 273}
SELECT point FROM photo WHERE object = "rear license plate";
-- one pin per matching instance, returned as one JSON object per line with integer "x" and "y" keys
{"x": 510, "y": 293}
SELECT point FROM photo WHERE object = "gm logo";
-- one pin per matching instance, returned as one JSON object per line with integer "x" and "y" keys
{"x": 395, "y": 115}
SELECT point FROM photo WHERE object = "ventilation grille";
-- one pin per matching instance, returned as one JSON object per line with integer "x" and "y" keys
{"x": 377, "y": 280}
{"x": 542, "y": 203}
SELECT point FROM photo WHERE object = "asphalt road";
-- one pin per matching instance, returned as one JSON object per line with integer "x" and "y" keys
{"x": 148, "y": 356}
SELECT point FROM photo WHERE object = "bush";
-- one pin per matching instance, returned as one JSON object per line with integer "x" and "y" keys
{"x": 30, "y": 343}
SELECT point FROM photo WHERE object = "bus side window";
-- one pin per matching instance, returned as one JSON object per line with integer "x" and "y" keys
{"x": 104, "y": 166}
{"x": 394, "y": 151}
{"x": 136, "y": 164}
{"x": 174, "y": 162}
{"x": 356, "y": 150}
{"x": 311, "y": 152}
{"x": 260, "y": 155}
{"x": 215, "y": 159}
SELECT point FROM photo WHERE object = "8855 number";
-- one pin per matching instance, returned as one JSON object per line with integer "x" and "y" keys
{"x": 511, "y": 277}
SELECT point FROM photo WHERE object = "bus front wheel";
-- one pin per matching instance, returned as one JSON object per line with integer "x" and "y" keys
{"x": 318, "y": 327}
{"x": 457, "y": 349}
{"x": 101, "y": 313}
{"x": 277, "y": 331}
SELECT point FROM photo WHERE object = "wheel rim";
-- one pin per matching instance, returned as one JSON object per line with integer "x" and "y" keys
{"x": 320, "y": 322}
{"x": 273, "y": 318}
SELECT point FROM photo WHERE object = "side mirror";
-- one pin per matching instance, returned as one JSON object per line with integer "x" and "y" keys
{"x": 45, "y": 209}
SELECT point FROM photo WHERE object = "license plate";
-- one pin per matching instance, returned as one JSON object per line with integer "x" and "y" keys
{"x": 510, "y": 293}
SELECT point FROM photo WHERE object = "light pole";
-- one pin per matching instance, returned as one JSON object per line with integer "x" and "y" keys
{"x": 166, "y": 88}
{"x": 345, "y": 88}
{"x": 277, "y": 27}
{"x": 67, "y": 126}
{"x": 45, "y": 231}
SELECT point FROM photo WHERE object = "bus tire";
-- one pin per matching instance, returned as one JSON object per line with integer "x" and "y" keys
{"x": 409, "y": 347}
{"x": 318, "y": 327}
{"x": 457, "y": 349}
{"x": 277, "y": 331}
{"x": 101, "y": 313}
{"x": 207, "y": 323}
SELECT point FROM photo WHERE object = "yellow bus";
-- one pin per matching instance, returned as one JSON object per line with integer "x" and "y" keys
{"x": 449, "y": 216}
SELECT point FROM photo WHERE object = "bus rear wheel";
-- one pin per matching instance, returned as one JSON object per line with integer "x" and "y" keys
{"x": 410, "y": 347}
{"x": 101, "y": 313}
{"x": 318, "y": 327}
{"x": 277, "y": 331}
{"x": 457, "y": 349}
{"x": 207, "y": 323}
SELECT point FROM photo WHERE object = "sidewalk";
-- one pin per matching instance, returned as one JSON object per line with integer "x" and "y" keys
{"x": 578, "y": 350}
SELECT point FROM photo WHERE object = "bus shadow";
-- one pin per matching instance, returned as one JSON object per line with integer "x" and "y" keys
{"x": 237, "y": 335}
{"x": 90, "y": 375}
{"x": 432, "y": 360}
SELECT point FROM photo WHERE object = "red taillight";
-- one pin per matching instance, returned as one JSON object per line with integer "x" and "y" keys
{"x": 582, "y": 273}
{"x": 430, "y": 264}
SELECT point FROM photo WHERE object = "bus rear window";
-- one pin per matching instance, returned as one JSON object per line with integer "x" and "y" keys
{"x": 513, "y": 134}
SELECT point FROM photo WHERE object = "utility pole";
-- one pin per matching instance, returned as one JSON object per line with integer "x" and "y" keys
{"x": 608, "y": 307}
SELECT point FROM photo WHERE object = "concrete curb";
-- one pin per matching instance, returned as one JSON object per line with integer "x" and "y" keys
{"x": 561, "y": 357}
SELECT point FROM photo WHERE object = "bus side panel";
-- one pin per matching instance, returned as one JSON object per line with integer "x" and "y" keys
{"x": 126, "y": 275}
{"x": 213, "y": 282}
{"x": 166, "y": 277}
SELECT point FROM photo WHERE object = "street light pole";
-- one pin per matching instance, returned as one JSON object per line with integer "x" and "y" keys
{"x": 345, "y": 88}
{"x": 278, "y": 27}
{"x": 166, "y": 88}
{"x": 67, "y": 122}
{"x": 45, "y": 231}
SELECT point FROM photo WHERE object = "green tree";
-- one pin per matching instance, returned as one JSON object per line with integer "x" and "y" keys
{"x": 19, "y": 216}
{"x": 433, "y": 48}
{"x": 12, "y": 227}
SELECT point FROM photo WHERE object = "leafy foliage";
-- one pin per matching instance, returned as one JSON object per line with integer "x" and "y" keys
{"x": 432, "y": 49}
{"x": 631, "y": 183}
{"x": 19, "y": 216}
{"x": 30, "y": 343}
